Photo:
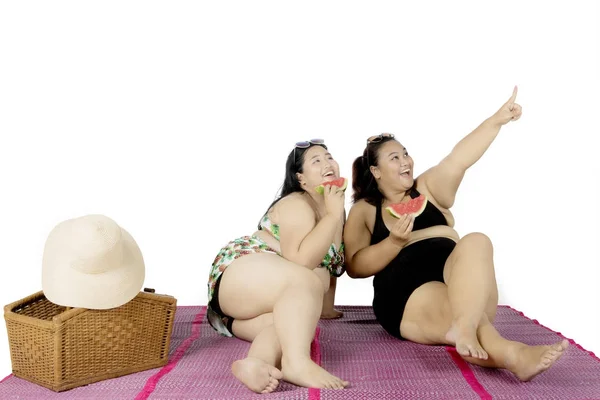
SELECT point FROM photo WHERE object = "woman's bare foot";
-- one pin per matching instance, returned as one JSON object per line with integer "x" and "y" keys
{"x": 305, "y": 373}
{"x": 331, "y": 314}
{"x": 256, "y": 374}
{"x": 526, "y": 362}
{"x": 465, "y": 340}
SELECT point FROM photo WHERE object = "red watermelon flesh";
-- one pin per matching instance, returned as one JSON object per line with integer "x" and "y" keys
{"x": 339, "y": 182}
{"x": 413, "y": 207}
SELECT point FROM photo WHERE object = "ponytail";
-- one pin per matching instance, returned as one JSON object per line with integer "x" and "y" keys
{"x": 363, "y": 183}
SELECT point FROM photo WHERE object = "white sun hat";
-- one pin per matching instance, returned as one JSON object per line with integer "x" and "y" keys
{"x": 91, "y": 262}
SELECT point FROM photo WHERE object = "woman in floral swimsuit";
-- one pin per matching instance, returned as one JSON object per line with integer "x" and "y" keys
{"x": 268, "y": 288}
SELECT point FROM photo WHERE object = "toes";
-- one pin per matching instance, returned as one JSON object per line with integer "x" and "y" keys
{"x": 483, "y": 354}
{"x": 335, "y": 383}
{"x": 549, "y": 357}
{"x": 562, "y": 346}
{"x": 546, "y": 363}
{"x": 463, "y": 351}
{"x": 477, "y": 352}
{"x": 273, "y": 383}
{"x": 341, "y": 383}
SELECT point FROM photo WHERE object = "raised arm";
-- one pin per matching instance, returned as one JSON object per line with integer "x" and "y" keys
{"x": 443, "y": 180}
{"x": 302, "y": 240}
{"x": 362, "y": 258}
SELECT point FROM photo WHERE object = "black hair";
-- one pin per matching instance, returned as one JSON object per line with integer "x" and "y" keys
{"x": 293, "y": 166}
{"x": 363, "y": 182}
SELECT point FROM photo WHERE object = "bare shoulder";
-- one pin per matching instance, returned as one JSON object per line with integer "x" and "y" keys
{"x": 422, "y": 188}
{"x": 362, "y": 213}
{"x": 358, "y": 230}
{"x": 292, "y": 207}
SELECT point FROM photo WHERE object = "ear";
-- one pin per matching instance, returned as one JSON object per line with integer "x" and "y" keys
{"x": 375, "y": 171}
{"x": 300, "y": 178}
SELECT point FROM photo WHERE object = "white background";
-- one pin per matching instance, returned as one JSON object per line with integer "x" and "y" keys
{"x": 175, "y": 119}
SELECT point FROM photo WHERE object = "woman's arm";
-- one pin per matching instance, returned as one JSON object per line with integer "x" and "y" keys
{"x": 302, "y": 240}
{"x": 443, "y": 180}
{"x": 362, "y": 258}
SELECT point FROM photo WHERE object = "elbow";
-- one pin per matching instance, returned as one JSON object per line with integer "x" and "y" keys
{"x": 352, "y": 272}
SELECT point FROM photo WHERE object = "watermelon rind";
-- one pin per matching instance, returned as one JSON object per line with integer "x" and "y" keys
{"x": 321, "y": 188}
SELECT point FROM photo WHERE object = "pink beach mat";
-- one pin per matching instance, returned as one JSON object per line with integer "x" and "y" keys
{"x": 355, "y": 348}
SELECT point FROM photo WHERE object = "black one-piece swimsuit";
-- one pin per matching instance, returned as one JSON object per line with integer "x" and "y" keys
{"x": 415, "y": 265}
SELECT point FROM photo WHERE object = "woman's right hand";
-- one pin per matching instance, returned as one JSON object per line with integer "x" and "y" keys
{"x": 334, "y": 200}
{"x": 401, "y": 230}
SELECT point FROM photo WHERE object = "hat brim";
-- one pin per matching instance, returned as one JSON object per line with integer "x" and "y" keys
{"x": 69, "y": 287}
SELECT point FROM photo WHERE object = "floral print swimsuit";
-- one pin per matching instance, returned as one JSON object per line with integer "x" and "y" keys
{"x": 333, "y": 261}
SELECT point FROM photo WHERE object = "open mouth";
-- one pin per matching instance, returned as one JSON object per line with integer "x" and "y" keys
{"x": 405, "y": 173}
{"x": 329, "y": 174}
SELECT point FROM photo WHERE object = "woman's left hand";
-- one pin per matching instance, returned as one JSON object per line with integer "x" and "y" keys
{"x": 510, "y": 111}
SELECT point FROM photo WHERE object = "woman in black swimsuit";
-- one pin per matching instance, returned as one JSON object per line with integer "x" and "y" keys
{"x": 430, "y": 286}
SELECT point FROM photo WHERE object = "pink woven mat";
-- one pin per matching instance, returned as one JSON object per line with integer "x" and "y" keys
{"x": 355, "y": 348}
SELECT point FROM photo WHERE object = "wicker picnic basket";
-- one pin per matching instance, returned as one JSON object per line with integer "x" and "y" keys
{"x": 62, "y": 348}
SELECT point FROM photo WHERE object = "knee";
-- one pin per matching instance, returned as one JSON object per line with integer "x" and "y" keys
{"x": 478, "y": 239}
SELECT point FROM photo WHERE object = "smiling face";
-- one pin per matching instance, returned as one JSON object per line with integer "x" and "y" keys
{"x": 394, "y": 170}
{"x": 318, "y": 166}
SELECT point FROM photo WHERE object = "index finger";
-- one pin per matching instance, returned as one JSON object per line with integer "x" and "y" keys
{"x": 513, "y": 97}
{"x": 410, "y": 225}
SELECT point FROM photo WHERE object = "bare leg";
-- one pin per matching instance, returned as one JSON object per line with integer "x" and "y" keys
{"x": 261, "y": 283}
{"x": 259, "y": 370}
{"x": 428, "y": 317}
{"x": 524, "y": 361}
{"x": 492, "y": 303}
{"x": 329, "y": 312}
{"x": 469, "y": 274}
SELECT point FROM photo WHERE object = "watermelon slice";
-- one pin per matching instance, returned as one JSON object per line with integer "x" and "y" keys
{"x": 339, "y": 182}
{"x": 413, "y": 207}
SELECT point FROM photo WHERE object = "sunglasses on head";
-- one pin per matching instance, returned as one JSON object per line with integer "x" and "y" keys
{"x": 379, "y": 138}
{"x": 306, "y": 144}
{"x": 376, "y": 139}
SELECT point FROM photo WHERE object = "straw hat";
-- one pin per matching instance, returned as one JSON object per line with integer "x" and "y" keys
{"x": 91, "y": 262}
